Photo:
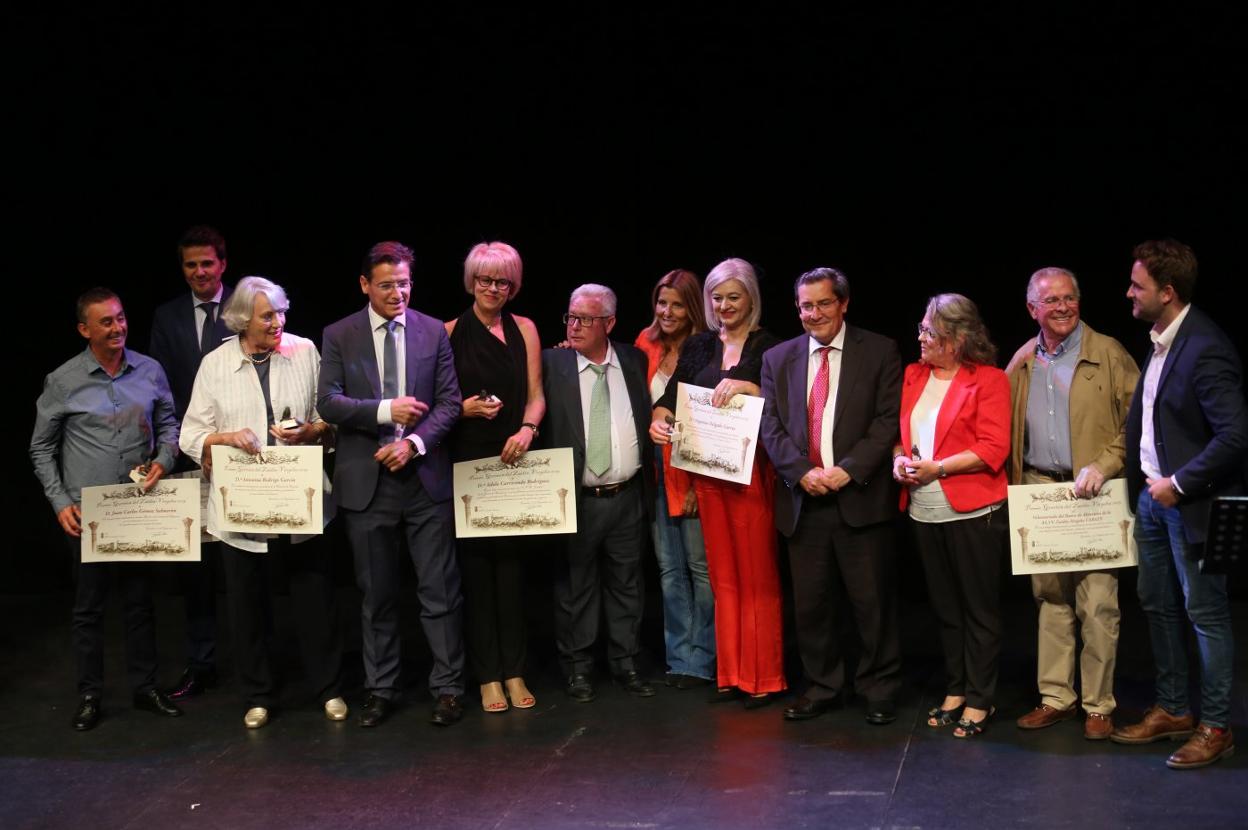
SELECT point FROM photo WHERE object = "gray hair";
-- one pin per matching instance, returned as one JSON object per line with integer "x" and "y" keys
{"x": 594, "y": 291}
{"x": 742, "y": 272}
{"x": 1033, "y": 292}
{"x": 242, "y": 303}
{"x": 956, "y": 320}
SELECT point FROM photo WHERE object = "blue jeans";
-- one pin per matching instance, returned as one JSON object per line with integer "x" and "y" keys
{"x": 688, "y": 604}
{"x": 1169, "y": 582}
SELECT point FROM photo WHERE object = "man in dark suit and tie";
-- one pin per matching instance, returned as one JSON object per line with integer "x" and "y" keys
{"x": 388, "y": 383}
{"x": 183, "y": 331}
{"x": 1187, "y": 441}
{"x": 598, "y": 405}
{"x": 831, "y": 402}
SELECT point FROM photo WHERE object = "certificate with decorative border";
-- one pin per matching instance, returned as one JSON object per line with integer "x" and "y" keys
{"x": 122, "y": 523}
{"x": 277, "y": 490}
{"x": 716, "y": 441}
{"x": 533, "y": 496}
{"x": 1052, "y": 531}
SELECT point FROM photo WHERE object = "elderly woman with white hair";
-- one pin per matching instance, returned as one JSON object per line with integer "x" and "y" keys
{"x": 737, "y": 519}
{"x": 245, "y": 390}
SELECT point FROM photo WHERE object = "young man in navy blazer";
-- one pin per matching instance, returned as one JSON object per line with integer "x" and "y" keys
{"x": 1187, "y": 441}
{"x": 388, "y": 383}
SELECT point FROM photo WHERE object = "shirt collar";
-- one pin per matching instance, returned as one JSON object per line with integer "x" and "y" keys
{"x": 93, "y": 365}
{"x": 216, "y": 298}
{"x": 583, "y": 362}
{"x": 838, "y": 342}
{"x": 236, "y": 342}
{"x": 1071, "y": 344}
{"x": 376, "y": 321}
{"x": 1163, "y": 341}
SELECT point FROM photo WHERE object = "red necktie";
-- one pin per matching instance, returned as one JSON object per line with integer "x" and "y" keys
{"x": 815, "y": 407}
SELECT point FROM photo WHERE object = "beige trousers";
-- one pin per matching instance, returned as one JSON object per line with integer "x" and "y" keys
{"x": 1090, "y": 600}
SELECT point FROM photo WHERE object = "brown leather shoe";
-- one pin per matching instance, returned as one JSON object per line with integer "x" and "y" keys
{"x": 1044, "y": 715}
{"x": 1203, "y": 748}
{"x": 1158, "y": 724}
{"x": 1097, "y": 727}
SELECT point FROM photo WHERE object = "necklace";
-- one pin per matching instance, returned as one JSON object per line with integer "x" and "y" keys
{"x": 256, "y": 361}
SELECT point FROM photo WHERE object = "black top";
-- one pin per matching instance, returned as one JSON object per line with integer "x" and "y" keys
{"x": 483, "y": 362}
{"x": 703, "y": 354}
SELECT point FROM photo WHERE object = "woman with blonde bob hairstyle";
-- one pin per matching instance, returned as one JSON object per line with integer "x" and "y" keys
{"x": 737, "y": 519}
{"x": 688, "y": 603}
{"x": 498, "y": 361}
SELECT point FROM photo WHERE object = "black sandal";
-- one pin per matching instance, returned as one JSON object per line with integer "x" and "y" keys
{"x": 973, "y": 728}
{"x": 943, "y": 717}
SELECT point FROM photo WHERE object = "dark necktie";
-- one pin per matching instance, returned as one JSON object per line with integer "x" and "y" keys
{"x": 389, "y": 381}
{"x": 207, "y": 342}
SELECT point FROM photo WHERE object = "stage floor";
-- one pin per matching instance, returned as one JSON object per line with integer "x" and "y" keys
{"x": 671, "y": 761}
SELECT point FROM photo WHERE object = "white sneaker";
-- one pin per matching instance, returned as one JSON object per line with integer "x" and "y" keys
{"x": 336, "y": 709}
{"x": 256, "y": 717}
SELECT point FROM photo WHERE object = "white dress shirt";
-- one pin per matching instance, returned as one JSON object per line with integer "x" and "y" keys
{"x": 1149, "y": 463}
{"x": 625, "y": 454}
{"x": 378, "y": 324}
{"x": 227, "y": 397}
{"x": 834, "y": 378}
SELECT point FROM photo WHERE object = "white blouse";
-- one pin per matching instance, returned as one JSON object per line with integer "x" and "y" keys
{"x": 227, "y": 397}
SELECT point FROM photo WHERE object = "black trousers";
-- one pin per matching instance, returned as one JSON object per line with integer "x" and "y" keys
{"x": 832, "y": 563}
{"x": 601, "y": 571}
{"x": 249, "y": 580}
{"x": 134, "y": 580}
{"x": 963, "y": 561}
{"x": 401, "y": 506}
{"x": 198, "y": 583}
{"x": 494, "y": 628}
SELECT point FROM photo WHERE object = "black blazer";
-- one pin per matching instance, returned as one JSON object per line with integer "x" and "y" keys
{"x": 175, "y": 344}
{"x": 864, "y": 426}
{"x": 564, "y": 424}
{"x": 1200, "y": 423}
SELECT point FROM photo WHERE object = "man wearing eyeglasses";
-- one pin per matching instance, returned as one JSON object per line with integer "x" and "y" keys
{"x": 831, "y": 403}
{"x": 598, "y": 405}
{"x": 388, "y": 383}
{"x": 1071, "y": 389}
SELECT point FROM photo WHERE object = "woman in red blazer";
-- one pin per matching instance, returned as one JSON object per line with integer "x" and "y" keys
{"x": 955, "y": 436}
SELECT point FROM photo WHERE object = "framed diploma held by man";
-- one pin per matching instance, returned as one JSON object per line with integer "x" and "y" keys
{"x": 122, "y": 523}
{"x": 1052, "y": 531}
{"x": 716, "y": 441}
{"x": 535, "y": 495}
{"x": 277, "y": 490}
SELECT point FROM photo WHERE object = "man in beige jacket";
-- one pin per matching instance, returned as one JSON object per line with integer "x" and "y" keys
{"x": 1071, "y": 388}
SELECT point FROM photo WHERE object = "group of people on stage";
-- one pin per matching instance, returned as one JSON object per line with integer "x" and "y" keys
{"x": 848, "y": 438}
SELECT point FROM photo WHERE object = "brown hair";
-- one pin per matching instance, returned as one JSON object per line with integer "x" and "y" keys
{"x": 1169, "y": 262}
{"x": 956, "y": 318}
{"x": 392, "y": 253}
{"x": 685, "y": 284}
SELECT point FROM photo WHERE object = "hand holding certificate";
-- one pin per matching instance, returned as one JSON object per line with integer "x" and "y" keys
{"x": 716, "y": 441}
{"x": 1053, "y": 531}
{"x": 125, "y": 523}
{"x": 277, "y": 490}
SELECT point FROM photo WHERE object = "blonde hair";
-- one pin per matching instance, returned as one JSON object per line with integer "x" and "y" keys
{"x": 742, "y": 272}
{"x": 500, "y": 259}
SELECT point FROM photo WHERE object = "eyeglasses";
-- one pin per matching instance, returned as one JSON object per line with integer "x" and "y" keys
{"x": 493, "y": 282}
{"x": 387, "y": 287}
{"x": 583, "y": 320}
{"x": 824, "y": 306}
{"x": 927, "y": 334}
{"x": 1049, "y": 302}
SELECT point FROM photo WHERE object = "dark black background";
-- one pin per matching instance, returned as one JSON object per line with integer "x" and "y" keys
{"x": 951, "y": 148}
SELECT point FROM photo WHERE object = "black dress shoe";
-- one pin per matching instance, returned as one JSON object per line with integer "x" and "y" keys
{"x": 881, "y": 712}
{"x": 192, "y": 683}
{"x": 685, "y": 681}
{"x": 759, "y": 701}
{"x": 374, "y": 711}
{"x": 805, "y": 709}
{"x": 580, "y": 689}
{"x": 155, "y": 701}
{"x": 88, "y": 713}
{"x": 447, "y": 709}
{"x": 634, "y": 684}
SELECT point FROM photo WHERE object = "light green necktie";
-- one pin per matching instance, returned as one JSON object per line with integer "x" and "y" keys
{"x": 598, "y": 447}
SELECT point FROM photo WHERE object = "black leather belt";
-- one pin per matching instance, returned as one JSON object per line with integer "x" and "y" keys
{"x": 1056, "y": 475}
{"x": 607, "y": 491}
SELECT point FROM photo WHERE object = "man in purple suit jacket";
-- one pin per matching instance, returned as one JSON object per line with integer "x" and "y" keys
{"x": 830, "y": 407}
{"x": 388, "y": 383}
